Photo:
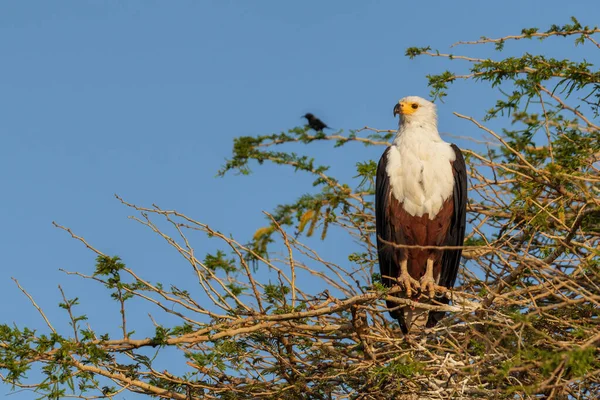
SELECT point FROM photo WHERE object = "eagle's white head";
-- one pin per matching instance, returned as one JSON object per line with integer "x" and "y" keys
{"x": 417, "y": 111}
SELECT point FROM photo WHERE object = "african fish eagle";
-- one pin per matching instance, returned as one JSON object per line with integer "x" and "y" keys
{"x": 420, "y": 200}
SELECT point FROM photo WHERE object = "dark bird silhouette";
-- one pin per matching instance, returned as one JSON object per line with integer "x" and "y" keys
{"x": 315, "y": 123}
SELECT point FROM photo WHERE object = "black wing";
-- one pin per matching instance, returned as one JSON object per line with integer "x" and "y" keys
{"x": 318, "y": 125}
{"x": 388, "y": 264}
{"x": 456, "y": 233}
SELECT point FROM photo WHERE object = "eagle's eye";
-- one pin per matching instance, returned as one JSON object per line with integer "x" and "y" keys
{"x": 414, "y": 106}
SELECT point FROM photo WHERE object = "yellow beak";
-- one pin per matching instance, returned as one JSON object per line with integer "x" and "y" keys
{"x": 403, "y": 108}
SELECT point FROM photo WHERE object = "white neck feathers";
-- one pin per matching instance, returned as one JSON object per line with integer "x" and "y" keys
{"x": 418, "y": 128}
{"x": 419, "y": 168}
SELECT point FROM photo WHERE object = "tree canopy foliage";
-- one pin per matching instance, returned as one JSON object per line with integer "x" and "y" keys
{"x": 524, "y": 321}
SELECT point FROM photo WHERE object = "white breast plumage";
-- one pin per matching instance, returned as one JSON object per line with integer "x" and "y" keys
{"x": 420, "y": 173}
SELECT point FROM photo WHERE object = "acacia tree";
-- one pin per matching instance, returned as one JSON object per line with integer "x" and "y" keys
{"x": 524, "y": 318}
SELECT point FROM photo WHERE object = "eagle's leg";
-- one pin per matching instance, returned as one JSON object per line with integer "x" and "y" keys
{"x": 407, "y": 281}
{"x": 428, "y": 284}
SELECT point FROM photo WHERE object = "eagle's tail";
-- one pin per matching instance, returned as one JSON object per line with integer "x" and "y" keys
{"x": 416, "y": 318}
{"x": 436, "y": 316}
{"x": 397, "y": 313}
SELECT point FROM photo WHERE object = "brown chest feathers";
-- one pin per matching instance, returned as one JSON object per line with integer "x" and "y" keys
{"x": 419, "y": 231}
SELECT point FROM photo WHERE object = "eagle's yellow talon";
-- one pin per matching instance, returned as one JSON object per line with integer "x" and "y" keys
{"x": 428, "y": 286}
{"x": 409, "y": 284}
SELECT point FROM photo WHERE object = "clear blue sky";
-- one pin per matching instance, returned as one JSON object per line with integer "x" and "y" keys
{"x": 143, "y": 99}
